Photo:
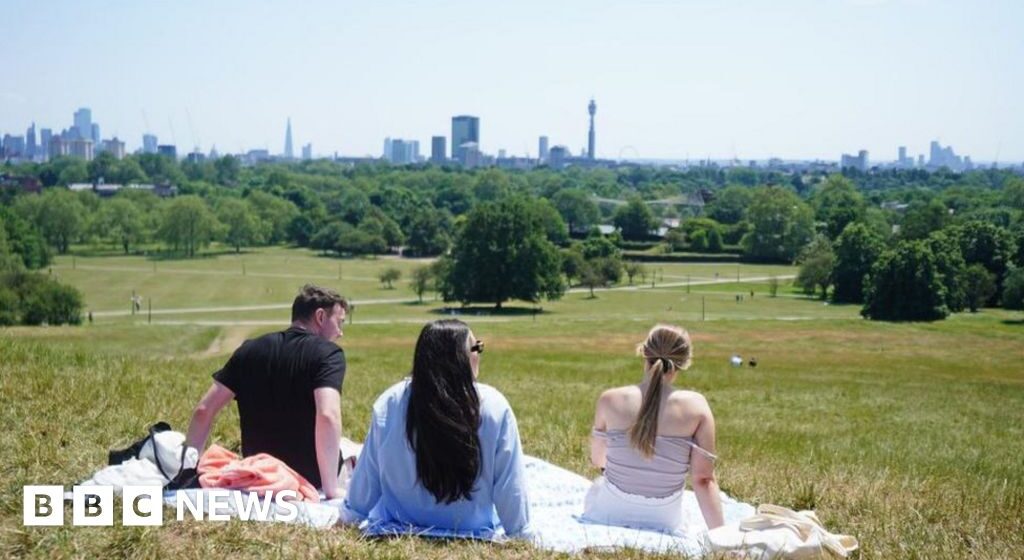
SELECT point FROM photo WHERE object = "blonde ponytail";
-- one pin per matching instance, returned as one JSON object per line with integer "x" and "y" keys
{"x": 666, "y": 350}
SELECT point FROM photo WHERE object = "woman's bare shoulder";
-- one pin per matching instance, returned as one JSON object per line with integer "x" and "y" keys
{"x": 692, "y": 401}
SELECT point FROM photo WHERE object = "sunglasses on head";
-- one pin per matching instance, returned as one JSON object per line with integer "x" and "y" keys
{"x": 478, "y": 347}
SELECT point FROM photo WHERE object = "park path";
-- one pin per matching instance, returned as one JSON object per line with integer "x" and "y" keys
{"x": 683, "y": 284}
{"x": 226, "y": 309}
{"x": 212, "y": 272}
{"x": 357, "y": 303}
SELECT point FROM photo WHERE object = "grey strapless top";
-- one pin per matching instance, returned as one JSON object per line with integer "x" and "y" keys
{"x": 662, "y": 475}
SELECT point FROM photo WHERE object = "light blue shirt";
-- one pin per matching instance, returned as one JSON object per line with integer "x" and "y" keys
{"x": 385, "y": 490}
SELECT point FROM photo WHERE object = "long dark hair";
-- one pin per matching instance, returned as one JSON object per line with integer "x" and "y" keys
{"x": 444, "y": 412}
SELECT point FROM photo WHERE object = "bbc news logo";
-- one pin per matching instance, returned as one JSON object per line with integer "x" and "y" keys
{"x": 43, "y": 506}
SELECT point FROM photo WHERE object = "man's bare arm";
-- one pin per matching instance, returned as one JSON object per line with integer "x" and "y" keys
{"x": 328, "y": 438}
{"x": 216, "y": 397}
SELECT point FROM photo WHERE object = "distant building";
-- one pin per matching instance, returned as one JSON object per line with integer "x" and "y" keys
{"x": 149, "y": 143}
{"x": 168, "y": 150}
{"x": 558, "y": 157}
{"x": 542, "y": 149}
{"x": 438, "y": 150}
{"x": 902, "y": 160}
{"x": 501, "y": 153}
{"x": 23, "y": 184}
{"x": 95, "y": 134}
{"x": 14, "y": 146}
{"x": 195, "y": 157}
{"x": 592, "y": 109}
{"x": 307, "y": 152}
{"x": 83, "y": 124}
{"x": 859, "y": 161}
{"x": 81, "y": 148}
{"x": 944, "y": 157}
{"x": 30, "y": 141}
{"x": 465, "y": 129}
{"x": 255, "y": 156}
{"x": 288, "y": 153}
{"x": 115, "y": 147}
{"x": 402, "y": 152}
{"x": 110, "y": 189}
{"x": 45, "y": 135}
{"x": 470, "y": 156}
{"x": 58, "y": 147}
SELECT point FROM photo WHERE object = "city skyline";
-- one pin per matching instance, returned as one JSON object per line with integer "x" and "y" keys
{"x": 690, "y": 80}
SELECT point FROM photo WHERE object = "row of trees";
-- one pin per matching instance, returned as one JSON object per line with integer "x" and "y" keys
{"x": 934, "y": 264}
{"x": 27, "y": 297}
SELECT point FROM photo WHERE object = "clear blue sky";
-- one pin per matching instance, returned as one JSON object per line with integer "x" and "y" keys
{"x": 709, "y": 78}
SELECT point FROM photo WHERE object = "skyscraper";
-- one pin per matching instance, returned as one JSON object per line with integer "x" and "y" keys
{"x": 465, "y": 129}
{"x": 149, "y": 143}
{"x": 542, "y": 149}
{"x": 307, "y": 151}
{"x": 83, "y": 124}
{"x": 288, "y": 153}
{"x": 45, "y": 135}
{"x": 438, "y": 150}
{"x": 591, "y": 108}
{"x": 94, "y": 134}
{"x": 902, "y": 161}
{"x": 30, "y": 141}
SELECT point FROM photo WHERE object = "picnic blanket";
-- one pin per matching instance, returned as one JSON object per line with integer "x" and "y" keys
{"x": 556, "y": 505}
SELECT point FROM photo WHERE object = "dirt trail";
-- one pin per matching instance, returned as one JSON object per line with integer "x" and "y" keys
{"x": 227, "y": 341}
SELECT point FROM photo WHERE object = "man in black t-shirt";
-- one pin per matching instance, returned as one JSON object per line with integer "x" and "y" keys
{"x": 288, "y": 388}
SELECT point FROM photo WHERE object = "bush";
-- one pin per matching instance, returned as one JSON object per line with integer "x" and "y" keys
{"x": 1013, "y": 290}
{"x": 29, "y": 298}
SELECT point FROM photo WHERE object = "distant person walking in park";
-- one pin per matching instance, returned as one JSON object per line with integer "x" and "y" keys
{"x": 648, "y": 437}
{"x": 288, "y": 388}
{"x": 442, "y": 451}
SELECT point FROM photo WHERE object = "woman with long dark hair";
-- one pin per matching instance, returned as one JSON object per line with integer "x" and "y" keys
{"x": 648, "y": 438}
{"x": 442, "y": 451}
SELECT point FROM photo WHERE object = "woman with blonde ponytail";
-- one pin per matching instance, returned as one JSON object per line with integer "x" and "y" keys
{"x": 647, "y": 438}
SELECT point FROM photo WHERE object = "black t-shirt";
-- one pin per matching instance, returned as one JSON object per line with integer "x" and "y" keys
{"x": 273, "y": 378}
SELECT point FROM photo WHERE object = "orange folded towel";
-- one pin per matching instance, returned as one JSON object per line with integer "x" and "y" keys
{"x": 220, "y": 468}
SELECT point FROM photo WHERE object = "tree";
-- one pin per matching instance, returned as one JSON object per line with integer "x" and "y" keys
{"x": 428, "y": 233}
{"x": 980, "y": 286}
{"x": 715, "y": 242}
{"x": 1013, "y": 290}
{"x": 188, "y": 224}
{"x": 572, "y": 263}
{"x": 422, "y": 278}
{"x": 632, "y": 269}
{"x": 600, "y": 272}
{"x": 62, "y": 218}
{"x": 274, "y": 213}
{"x": 243, "y": 227}
{"x": 988, "y": 245}
{"x": 635, "y": 219}
{"x": 502, "y": 253}
{"x": 905, "y": 285}
{"x": 576, "y": 208}
{"x": 730, "y": 204}
{"x": 856, "y": 250}
{"x": 227, "y": 169}
{"x": 24, "y": 239}
{"x": 122, "y": 222}
{"x": 781, "y": 224}
{"x": 922, "y": 218}
{"x": 389, "y": 276}
{"x": 554, "y": 227}
{"x": 675, "y": 239}
{"x": 949, "y": 263}
{"x": 773, "y": 286}
{"x": 837, "y": 203}
{"x": 699, "y": 241}
{"x": 816, "y": 267}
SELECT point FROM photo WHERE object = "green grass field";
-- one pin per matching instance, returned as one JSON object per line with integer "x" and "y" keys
{"x": 909, "y": 436}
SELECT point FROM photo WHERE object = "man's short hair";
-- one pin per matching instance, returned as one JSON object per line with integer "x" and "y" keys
{"x": 312, "y": 297}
